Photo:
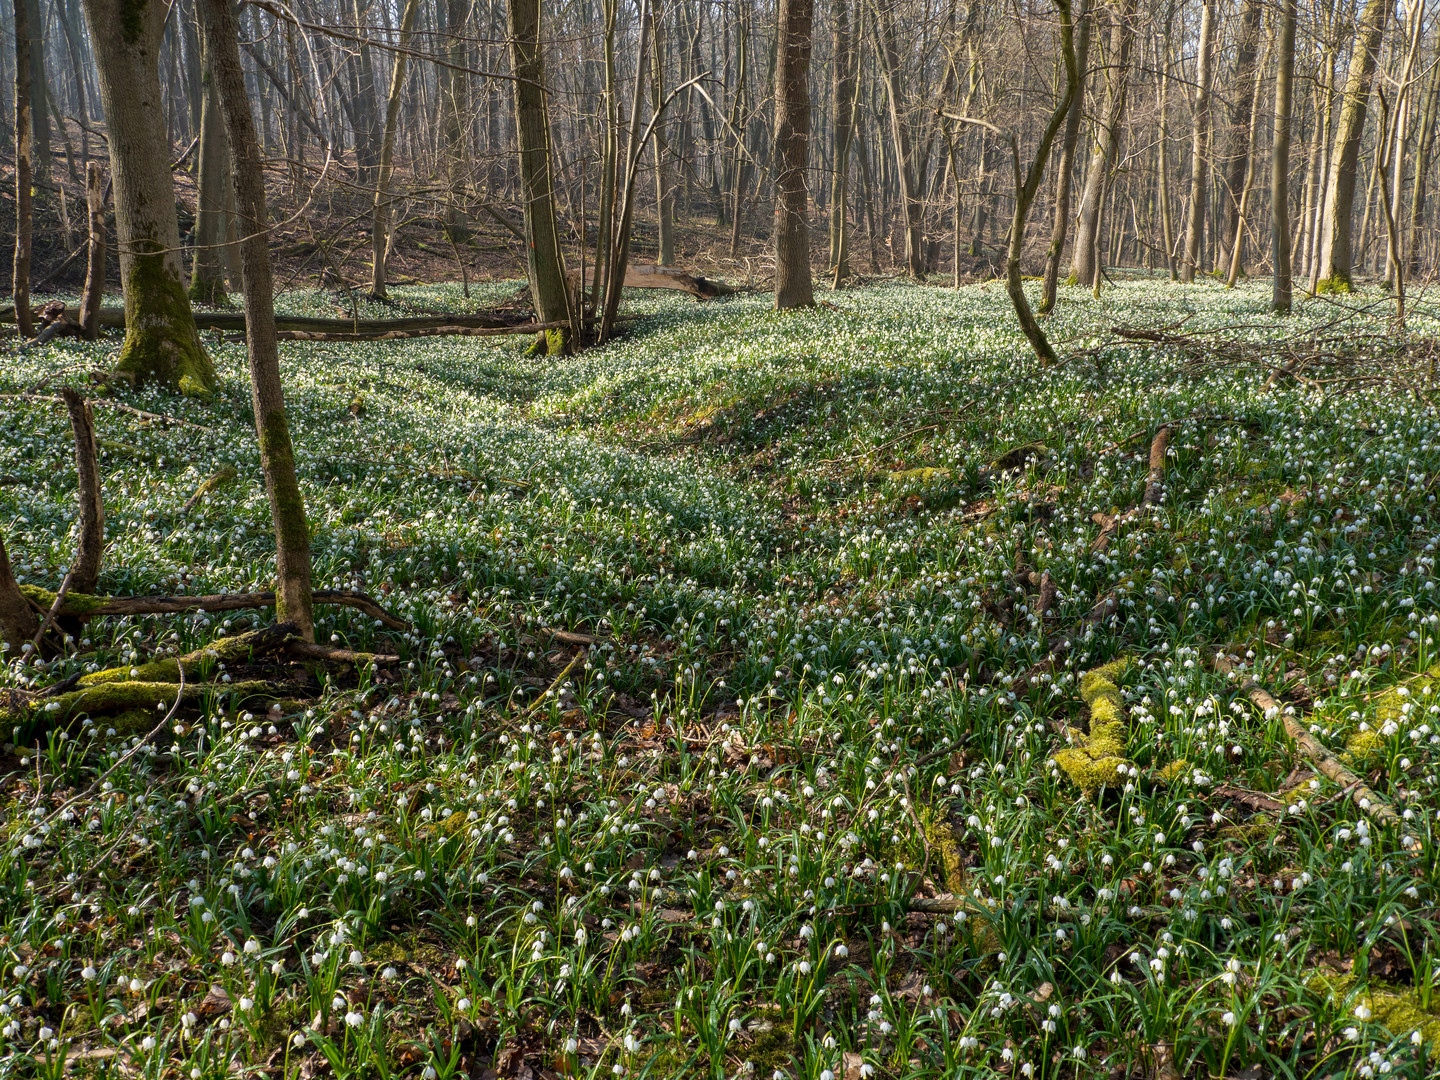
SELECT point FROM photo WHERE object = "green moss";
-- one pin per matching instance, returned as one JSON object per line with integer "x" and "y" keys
{"x": 1098, "y": 758}
{"x": 161, "y": 342}
{"x": 77, "y": 605}
{"x": 1176, "y": 770}
{"x": 1397, "y": 1009}
{"x": 216, "y": 481}
{"x": 128, "y": 696}
{"x": 167, "y": 671}
{"x": 920, "y": 476}
{"x": 208, "y": 291}
{"x": 1334, "y": 285}
{"x": 193, "y": 389}
{"x": 942, "y": 839}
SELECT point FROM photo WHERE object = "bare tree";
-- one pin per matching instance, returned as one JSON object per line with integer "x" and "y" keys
{"x": 794, "y": 24}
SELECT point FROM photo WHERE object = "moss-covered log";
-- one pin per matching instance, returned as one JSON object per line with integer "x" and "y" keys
{"x": 1097, "y": 759}
{"x": 82, "y": 606}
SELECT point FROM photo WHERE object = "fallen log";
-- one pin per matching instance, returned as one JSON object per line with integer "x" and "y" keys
{"x": 114, "y": 317}
{"x": 661, "y": 277}
{"x": 79, "y": 606}
{"x": 447, "y": 330}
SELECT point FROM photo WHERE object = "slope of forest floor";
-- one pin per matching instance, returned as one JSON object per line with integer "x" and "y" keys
{"x": 743, "y": 728}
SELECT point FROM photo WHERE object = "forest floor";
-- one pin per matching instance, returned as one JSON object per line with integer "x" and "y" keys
{"x": 744, "y": 725}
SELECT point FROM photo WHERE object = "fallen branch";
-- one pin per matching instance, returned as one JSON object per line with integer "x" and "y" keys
{"x": 114, "y": 318}
{"x": 106, "y": 403}
{"x": 88, "y": 607}
{"x": 445, "y": 330}
{"x": 1325, "y": 762}
{"x": 1154, "y": 483}
{"x": 311, "y": 651}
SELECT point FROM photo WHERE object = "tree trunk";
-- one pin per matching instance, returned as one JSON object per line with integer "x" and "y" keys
{"x": 455, "y": 108}
{"x": 1244, "y": 102}
{"x": 24, "y": 174}
{"x": 544, "y": 260}
{"x": 293, "y": 601}
{"x": 1280, "y": 162}
{"x": 380, "y": 209}
{"x": 1162, "y": 141}
{"x": 161, "y": 343}
{"x": 1422, "y": 173}
{"x": 793, "y": 287}
{"x": 1237, "y": 232}
{"x": 1086, "y": 262}
{"x": 664, "y": 195}
{"x": 207, "y": 270}
{"x": 39, "y": 93}
{"x": 889, "y": 58}
{"x": 18, "y": 621}
{"x": 1063, "y": 175}
{"x": 1335, "y": 250}
{"x": 94, "y": 295}
{"x": 1199, "y": 139}
{"x": 843, "y": 101}
{"x": 90, "y": 547}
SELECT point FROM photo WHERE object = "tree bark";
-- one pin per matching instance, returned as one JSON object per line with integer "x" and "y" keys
{"x": 885, "y": 50}
{"x": 843, "y": 99}
{"x": 794, "y": 25}
{"x": 380, "y": 210}
{"x": 207, "y": 270}
{"x": 94, "y": 295}
{"x": 1199, "y": 146}
{"x": 1244, "y": 104}
{"x": 24, "y": 173}
{"x": 1280, "y": 291}
{"x": 161, "y": 343}
{"x": 456, "y": 109}
{"x": 18, "y": 621}
{"x": 90, "y": 547}
{"x": 544, "y": 260}
{"x": 39, "y": 93}
{"x": 293, "y": 600}
{"x": 1422, "y": 174}
{"x": 1335, "y": 250}
{"x": 1086, "y": 261}
{"x": 664, "y": 180}
{"x": 1063, "y": 175}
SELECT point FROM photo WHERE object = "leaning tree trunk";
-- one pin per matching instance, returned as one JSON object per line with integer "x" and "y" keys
{"x": 843, "y": 99}
{"x": 161, "y": 343}
{"x": 793, "y": 286}
{"x": 1280, "y": 161}
{"x": 24, "y": 174}
{"x": 380, "y": 210}
{"x": 293, "y": 601}
{"x": 207, "y": 271}
{"x": 1086, "y": 261}
{"x": 1335, "y": 249}
{"x": 1061, "y": 223}
{"x": 544, "y": 260}
{"x": 1199, "y": 141}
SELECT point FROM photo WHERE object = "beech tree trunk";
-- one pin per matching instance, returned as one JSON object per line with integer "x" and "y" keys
{"x": 94, "y": 296}
{"x": 1422, "y": 174}
{"x": 18, "y": 621}
{"x": 90, "y": 548}
{"x": 544, "y": 260}
{"x": 886, "y": 51}
{"x": 1063, "y": 175}
{"x": 1280, "y": 161}
{"x": 24, "y": 175}
{"x": 1199, "y": 146}
{"x": 1086, "y": 262}
{"x": 380, "y": 211}
{"x": 293, "y": 599}
{"x": 843, "y": 99}
{"x": 161, "y": 343}
{"x": 1243, "y": 106}
{"x": 207, "y": 270}
{"x": 1337, "y": 226}
{"x": 793, "y": 287}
